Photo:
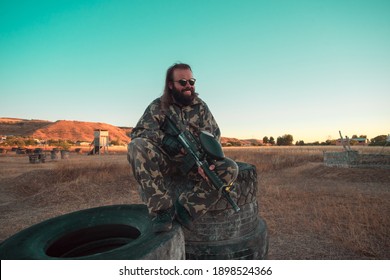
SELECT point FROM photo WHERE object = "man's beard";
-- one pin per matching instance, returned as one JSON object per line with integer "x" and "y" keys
{"x": 182, "y": 99}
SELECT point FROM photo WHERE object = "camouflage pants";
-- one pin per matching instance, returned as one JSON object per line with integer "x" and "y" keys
{"x": 151, "y": 165}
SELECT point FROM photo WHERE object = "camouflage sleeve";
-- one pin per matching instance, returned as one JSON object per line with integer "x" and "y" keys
{"x": 149, "y": 124}
{"x": 209, "y": 123}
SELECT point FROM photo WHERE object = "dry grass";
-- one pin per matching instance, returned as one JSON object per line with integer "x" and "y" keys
{"x": 312, "y": 211}
{"x": 31, "y": 193}
{"x": 318, "y": 212}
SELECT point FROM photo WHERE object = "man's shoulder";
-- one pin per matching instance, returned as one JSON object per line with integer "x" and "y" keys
{"x": 198, "y": 100}
{"x": 156, "y": 101}
{"x": 154, "y": 108}
{"x": 155, "y": 104}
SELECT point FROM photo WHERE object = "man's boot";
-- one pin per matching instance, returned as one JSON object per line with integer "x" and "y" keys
{"x": 183, "y": 216}
{"x": 163, "y": 220}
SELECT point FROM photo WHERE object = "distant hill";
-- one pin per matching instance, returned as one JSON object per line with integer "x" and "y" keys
{"x": 226, "y": 141}
{"x": 62, "y": 129}
{"x": 81, "y": 131}
{"x": 20, "y": 127}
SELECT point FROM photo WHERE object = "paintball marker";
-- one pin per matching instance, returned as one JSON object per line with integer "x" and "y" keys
{"x": 208, "y": 148}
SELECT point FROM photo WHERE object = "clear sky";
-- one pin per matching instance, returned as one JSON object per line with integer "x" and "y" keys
{"x": 307, "y": 68}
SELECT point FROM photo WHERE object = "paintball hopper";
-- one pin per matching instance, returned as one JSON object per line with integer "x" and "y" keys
{"x": 211, "y": 146}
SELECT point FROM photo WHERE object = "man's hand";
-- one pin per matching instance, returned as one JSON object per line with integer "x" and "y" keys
{"x": 201, "y": 172}
{"x": 171, "y": 145}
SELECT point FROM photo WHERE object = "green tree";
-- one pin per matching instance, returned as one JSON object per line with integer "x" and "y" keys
{"x": 20, "y": 142}
{"x": 265, "y": 140}
{"x": 62, "y": 144}
{"x": 285, "y": 140}
{"x": 300, "y": 143}
{"x": 328, "y": 142}
{"x": 353, "y": 142}
{"x": 379, "y": 140}
{"x": 271, "y": 141}
{"x": 116, "y": 142}
{"x": 30, "y": 141}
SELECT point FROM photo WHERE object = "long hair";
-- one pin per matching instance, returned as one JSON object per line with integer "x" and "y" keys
{"x": 166, "y": 98}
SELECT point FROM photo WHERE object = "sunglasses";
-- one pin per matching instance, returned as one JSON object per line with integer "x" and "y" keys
{"x": 183, "y": 82}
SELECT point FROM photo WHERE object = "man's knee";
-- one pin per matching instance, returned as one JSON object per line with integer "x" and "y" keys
{"x": 139, "y": 148}
{"x": 145, "y": 155}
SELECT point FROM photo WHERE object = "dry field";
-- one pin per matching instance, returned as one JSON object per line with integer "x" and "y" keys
{"x": 312, "y": 211}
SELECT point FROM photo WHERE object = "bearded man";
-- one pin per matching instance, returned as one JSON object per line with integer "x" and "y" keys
{"x": 155, "y": 155}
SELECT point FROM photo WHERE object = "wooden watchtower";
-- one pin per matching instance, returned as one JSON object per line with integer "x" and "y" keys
{"x": 101, "y": 140}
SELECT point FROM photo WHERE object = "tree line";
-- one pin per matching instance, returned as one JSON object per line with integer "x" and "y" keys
{"x": 17, "y": 141}
{"x": 288, "y": 139}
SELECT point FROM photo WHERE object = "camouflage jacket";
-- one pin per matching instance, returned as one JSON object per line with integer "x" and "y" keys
{"x": 195, "y": 118}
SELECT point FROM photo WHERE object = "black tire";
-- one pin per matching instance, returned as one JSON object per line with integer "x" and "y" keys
{"x": 216, "y": 225}
{"x": 245, "y": 187}
{"x": 221, "y": 222}
{"x": 223, "y": 234}
{"x": 252, "y": 246}
{"x": 117, "y": 232}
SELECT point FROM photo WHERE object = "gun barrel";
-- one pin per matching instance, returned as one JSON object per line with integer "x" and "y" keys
{"x": 218, "y": 184}
{"x": 230, "y": 200}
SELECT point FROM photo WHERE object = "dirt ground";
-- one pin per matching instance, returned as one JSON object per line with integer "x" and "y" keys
{"x": 303, "y": 222}
{"x": 30, "y": 193}
{"x": 329, "y": 213}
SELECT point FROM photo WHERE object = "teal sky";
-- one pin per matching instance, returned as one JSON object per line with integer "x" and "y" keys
{"x": 265, "y": 68}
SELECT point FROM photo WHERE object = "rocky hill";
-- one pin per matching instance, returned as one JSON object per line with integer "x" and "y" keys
{"x": 62, "y": 129}
{"x": 81, "y": 131}
{"x": 226, "y": 141}
{"x": 20, "y": 127}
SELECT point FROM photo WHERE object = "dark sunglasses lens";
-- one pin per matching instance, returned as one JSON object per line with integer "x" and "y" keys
{"x": 182, "y": 82}
{"x": 192, "y": 82}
